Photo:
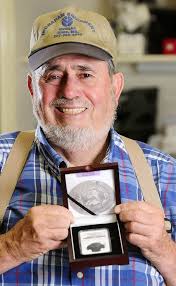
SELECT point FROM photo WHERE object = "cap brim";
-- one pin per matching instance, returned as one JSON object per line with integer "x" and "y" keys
{"x": 37, "y": 58}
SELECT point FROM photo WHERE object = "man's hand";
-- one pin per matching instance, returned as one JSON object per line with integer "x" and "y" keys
{"x": 145, "y": 227}
{"x": 144, "y": 224}
{"x": 42, "y": 229}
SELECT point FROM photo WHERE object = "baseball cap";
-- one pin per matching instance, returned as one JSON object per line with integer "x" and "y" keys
{"x": 71, "y": 30}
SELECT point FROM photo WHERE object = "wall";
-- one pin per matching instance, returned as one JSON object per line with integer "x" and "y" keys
{"x": 7, "y": 66}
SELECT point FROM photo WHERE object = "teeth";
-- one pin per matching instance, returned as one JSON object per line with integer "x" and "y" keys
{"x": 72, "y": 111}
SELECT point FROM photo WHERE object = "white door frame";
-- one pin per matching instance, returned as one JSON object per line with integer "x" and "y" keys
{"x": 8, "y": 119}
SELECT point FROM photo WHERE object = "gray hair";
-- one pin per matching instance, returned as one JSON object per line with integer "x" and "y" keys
{"x": 111, "y": 67}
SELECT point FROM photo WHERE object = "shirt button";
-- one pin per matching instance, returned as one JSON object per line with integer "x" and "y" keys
{"x": 80, "y": 275}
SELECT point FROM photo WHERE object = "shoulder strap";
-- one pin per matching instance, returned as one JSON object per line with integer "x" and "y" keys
{"x": 13, "y": 167}
{"x": 144, "y": 174}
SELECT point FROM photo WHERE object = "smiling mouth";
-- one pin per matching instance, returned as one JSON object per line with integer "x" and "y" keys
{"x": 71, "y": 110}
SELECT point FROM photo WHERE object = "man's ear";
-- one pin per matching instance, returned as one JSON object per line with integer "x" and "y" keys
{"x": 117, "y": 84}
{"x": 29, "y": 83}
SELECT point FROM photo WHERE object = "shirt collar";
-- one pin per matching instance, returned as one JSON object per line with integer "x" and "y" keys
{"x": 116, "y": 146}
{"x": 49, "y": 153}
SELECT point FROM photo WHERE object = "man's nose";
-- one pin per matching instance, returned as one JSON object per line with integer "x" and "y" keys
{"x": 69, "y": 87}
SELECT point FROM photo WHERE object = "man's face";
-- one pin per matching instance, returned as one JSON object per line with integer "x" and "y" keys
{"x": 77, "y": 92}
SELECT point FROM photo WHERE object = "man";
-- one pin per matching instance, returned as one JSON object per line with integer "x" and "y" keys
{"x": 75, "y": 88}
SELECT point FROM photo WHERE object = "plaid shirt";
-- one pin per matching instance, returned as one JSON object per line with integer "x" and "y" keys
{"x": 39, "y": 184}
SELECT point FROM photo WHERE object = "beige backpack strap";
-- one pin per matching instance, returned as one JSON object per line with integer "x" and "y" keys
{"x": 13, "y": 167}
{"x": 144, "y": 174}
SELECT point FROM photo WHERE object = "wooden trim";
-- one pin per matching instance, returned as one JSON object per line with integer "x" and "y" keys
{"x": 8, "y": 120}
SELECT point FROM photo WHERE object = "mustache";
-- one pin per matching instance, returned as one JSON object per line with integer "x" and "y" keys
{"x": 79, "y": 102}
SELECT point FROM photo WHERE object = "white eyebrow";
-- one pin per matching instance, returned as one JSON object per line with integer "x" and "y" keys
{"x": 75, "y": 66}
{"x": 83, "y": 67}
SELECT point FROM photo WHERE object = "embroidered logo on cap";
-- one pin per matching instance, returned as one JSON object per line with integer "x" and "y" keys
{"x": 67, "y": 28}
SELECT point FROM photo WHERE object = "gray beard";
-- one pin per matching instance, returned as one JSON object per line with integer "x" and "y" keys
{"x": 73, "y": 139}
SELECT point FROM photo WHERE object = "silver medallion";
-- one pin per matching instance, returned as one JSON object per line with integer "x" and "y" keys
{"x": 95, "y": 195}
